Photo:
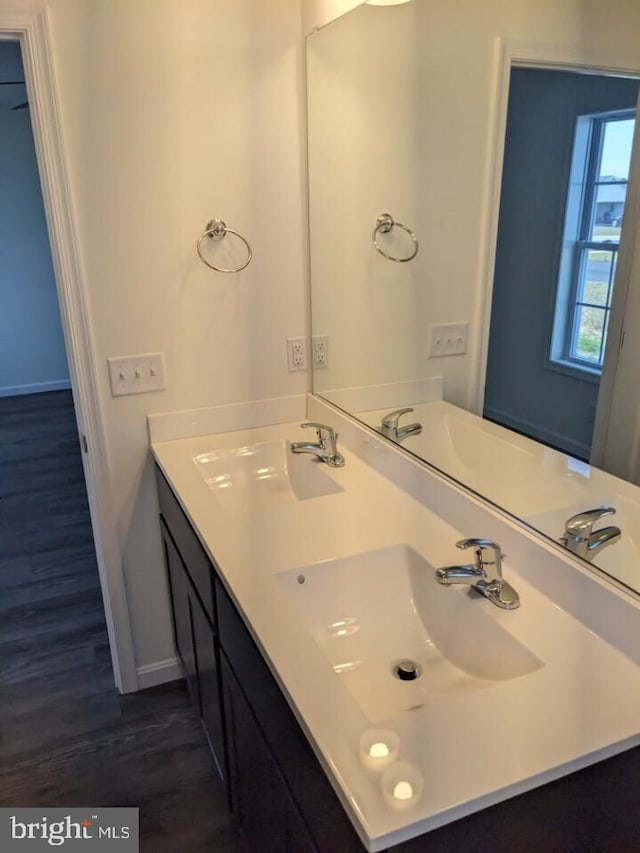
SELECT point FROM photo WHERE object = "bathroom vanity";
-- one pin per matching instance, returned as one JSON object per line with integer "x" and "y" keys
{"x": 297, "y": 590}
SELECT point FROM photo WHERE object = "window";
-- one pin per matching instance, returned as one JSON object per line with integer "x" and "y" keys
{"x": 593, "y": 220}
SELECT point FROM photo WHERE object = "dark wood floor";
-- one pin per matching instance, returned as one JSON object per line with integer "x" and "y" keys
{"x": 67, "y": 738}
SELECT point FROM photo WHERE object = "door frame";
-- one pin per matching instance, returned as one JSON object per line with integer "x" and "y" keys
{"x": 513, "y": 54}
{"x": 31, "y": 28}
{"x": 616, "y": 434}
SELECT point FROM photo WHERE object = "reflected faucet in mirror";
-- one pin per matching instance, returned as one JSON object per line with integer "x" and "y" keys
{"x": 580, "y": 538}
{"x": 390, "y": 429}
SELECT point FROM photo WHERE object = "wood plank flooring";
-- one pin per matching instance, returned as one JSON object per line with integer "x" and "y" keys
{"x": 67, "y": 738}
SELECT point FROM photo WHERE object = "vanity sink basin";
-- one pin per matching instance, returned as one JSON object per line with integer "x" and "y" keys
{"x": 264, "y": 473}
{"x": 372, "y": 612}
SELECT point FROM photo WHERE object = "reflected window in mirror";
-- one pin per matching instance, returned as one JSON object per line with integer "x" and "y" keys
{"x": 548, "y": 210}
{"x": 596, "y": 196}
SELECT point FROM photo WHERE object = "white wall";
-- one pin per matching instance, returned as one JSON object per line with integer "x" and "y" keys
{"x": 364, "y": 144}
{"x": 174, "y": 113}
{"x": 432, "y": 99}
{"x": 32, "y": 356}
{"x": 317, "y": 13}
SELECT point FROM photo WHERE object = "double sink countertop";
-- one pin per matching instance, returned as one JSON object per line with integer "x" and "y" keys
{"x": 338, "y": 588}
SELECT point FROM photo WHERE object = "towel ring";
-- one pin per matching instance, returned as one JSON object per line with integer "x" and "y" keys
{"x": 384, "y": 223}
{"x": 216, "y": 229}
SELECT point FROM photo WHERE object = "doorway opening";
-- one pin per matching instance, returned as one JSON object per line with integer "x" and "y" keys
{"x": 51, "y": 589}
{"x": 30, "y": 29}
{"x": 32, "y": 350}
{"x": 548, "y": 204}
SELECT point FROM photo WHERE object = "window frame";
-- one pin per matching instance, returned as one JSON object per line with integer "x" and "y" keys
{"x": 579, "y": 219}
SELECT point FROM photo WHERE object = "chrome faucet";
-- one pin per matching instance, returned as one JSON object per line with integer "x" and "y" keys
{"x": 389, "y": 426}
{"x": 325, "y": 449}
{"x": 496, "y": 589}
{"x": 580, "y": 538}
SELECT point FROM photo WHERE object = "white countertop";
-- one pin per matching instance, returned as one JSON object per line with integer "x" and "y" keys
{"x": 471, "y": 750}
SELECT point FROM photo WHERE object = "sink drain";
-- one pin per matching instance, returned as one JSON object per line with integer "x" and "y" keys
{"x": 407, "y": 670}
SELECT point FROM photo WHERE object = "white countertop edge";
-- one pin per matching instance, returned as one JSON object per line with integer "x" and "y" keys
{"x": 383, "y": 842}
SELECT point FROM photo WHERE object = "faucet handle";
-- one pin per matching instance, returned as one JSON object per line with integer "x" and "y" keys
{"x": 580, "y": 526}
{"x": 328, "y": 440}
{"x": 325, "y": 433}
{"x": 391, "y": 420}
{"x": 480, "y": 546}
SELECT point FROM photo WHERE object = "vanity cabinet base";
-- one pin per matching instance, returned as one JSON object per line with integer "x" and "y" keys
{"x": 280, "y": 797}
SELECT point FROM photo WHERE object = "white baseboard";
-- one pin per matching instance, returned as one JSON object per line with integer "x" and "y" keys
{"x": 529, "y": 429}
{"x": 35, "y": 388}
{"x": 159, "y": 672}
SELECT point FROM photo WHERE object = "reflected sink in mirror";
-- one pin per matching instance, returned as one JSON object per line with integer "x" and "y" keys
{"x": 509, "y": 469}
{"x": 264, "y": 473}
{"x": 621, "y": 559}
{"x": 372, "y": 611}
{"x": 469, "y": 449}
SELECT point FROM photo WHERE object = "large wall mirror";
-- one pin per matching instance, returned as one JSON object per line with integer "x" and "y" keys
{"x": 474, "y": 210}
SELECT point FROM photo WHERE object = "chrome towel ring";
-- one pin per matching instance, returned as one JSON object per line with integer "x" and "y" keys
{"x": 384, "y": 223}
{"x": 216, "y": 229}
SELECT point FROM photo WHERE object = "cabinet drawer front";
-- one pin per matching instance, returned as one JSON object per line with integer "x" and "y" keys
{"x": 193, "y": 554}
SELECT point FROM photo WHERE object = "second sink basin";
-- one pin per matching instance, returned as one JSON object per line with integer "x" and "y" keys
{"x": 264, "y": 473}
{"x": 371, "y": 612}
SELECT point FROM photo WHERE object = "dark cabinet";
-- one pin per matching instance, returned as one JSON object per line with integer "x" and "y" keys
{"x": 264, "y": 811}
{"x": 179, "y": 588}
{"x": 197, "y": 647}
{"x": 208, "y": 679}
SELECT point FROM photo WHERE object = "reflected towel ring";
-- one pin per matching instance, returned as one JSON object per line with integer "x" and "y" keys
{"x": 384, "y": 223}
{"x": 216, "y": 229}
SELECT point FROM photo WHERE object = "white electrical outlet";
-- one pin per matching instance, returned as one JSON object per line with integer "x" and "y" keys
{"x": 297, "y": 354}
{"x": 320, "y": 352}
{"x": 448, "y": 339}
{"x": 136, "y": 374}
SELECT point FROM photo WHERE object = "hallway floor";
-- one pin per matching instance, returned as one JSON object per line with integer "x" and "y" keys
{"x": 67, "y": 738}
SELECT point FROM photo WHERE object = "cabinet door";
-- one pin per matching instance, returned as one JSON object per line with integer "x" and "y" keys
{"x": 194, "y": 558}
{"x": 180, "y": 593}
{"x": 263, "y": 809}
{"x": 208, "y": 683}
